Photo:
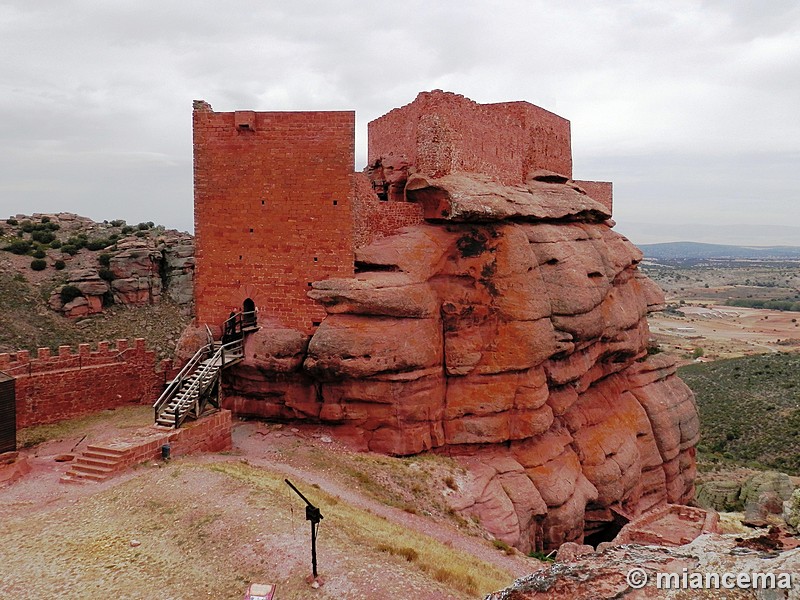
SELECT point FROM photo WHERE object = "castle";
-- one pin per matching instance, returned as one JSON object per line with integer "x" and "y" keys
{"x": 278, "y": 206}
{"x": 463, "y": 294}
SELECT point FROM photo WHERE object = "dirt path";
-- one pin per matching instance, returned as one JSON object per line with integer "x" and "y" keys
{"x": 253, "y": 446}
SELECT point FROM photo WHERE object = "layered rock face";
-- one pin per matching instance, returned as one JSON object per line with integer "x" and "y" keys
{"x": 510, "y": 329}
{"x": 140, "y": 272}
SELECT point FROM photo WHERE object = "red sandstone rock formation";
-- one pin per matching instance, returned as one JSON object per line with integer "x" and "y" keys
{"x": 510, "y": 328}
{"x": 493, "y": 312}
{"x": 696, "y": 570}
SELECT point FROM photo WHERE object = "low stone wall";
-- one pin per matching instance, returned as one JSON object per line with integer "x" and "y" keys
{"x": 53, "y": 387}
{"x": 209, "y": 434}
{"x": 101, "y": 461}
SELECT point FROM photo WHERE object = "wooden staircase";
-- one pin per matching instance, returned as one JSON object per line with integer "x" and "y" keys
{"x": 96, "y": 463}
{"x": 197, "y": 384}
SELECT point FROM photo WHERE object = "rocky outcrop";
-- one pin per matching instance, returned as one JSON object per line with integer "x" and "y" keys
{"x": 791, "y": 511}
{"x": 138, "y": 271}
{"x": 706, "y": 568}
{"x": 767, "y": 489}
{"x": 509, "y": 329}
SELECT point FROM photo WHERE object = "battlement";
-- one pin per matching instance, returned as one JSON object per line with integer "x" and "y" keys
{"x": 51, "y": 386}
{"x": 21, "y": 363}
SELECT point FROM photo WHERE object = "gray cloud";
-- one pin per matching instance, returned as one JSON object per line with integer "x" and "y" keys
{"x": 689, "y": 106}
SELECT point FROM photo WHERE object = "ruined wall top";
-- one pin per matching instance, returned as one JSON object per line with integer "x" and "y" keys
{"x": 442, "y": 133}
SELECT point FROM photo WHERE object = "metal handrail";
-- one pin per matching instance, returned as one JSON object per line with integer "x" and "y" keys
{"x": 234, "y": 325}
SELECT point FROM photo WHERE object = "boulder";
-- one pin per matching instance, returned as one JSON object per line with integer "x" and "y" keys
{"x": 766, "y": 481}
{"x": 791, "y": 510}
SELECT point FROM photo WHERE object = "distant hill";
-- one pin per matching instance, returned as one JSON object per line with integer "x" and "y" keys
{"x": 696, "y": 250}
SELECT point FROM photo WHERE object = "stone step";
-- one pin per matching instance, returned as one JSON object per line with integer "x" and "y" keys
{"x": 89, "y": 469}
{"x": 69, "y": 479}
{"x": 102, "y": 454}
{"x": 75, "y": 474}
{"x": 96, "y": 461}
{"x": 104, "y": 450}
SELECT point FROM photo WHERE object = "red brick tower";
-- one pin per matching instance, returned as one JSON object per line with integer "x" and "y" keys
{"x": 272, "y": 209}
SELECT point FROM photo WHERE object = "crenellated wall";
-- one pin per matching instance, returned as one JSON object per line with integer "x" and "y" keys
{"x": 53, "y": 387}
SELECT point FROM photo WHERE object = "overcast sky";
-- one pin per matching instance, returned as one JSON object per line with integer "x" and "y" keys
{"x": 690, "y": 107}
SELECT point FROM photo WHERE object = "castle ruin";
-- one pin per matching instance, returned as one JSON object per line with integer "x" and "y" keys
{"x": 463, "y": 294}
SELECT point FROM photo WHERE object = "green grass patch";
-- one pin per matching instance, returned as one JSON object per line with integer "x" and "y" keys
{"x": 749, "y": 410}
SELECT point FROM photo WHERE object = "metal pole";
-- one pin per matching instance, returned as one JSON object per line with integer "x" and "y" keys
{"x": 314, "y": 515}
{"x": 314, "y": 549}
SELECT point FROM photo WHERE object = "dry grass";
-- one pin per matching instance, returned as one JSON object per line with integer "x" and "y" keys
{"x": 124, "y": 417}
{"x": 415, "y": 484}
{"x": 206, "y": 531}
{"x": 446, "y": 565}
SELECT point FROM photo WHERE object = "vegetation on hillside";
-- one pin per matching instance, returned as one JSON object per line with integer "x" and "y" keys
{"x": 27, "y": 322}
{"x": 749, "y": 410}
{"x": 791, "y": 304}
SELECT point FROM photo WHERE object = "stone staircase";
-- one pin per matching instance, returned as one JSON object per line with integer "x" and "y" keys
{"x": 95, "y": 464}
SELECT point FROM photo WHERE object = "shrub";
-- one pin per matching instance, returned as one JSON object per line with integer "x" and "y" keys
{"x": 104, "y": 259}
{"x": 45, "y": 237}
{"x": 70, "y": 249}
{"x": 45, "y": 219}
{"x": 98, "y": 244}
{"x": 51, "y": 226}
{"x": 55, "y": 244}
{"x": 501, "y": 545}
{"x": 37, "y": 264}
{"x": 79, "y": 241}
{"x": 68, "y": 293}
{"x": 118, "y": 223}
{"x": 59, "y": 265}
{"x": 19, "y": 247}
{"x": 27, "y": 226}
{"x": 145, "y": 226}
{"x": 12, "y": 222}
{"x": 141, "y": 234}
{"x": 39, "y": 253}
{"x": 106, "y": 275}
{"x": 544, "y": 557}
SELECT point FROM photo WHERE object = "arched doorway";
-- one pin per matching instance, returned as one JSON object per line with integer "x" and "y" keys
{"x": 248, "y": 313}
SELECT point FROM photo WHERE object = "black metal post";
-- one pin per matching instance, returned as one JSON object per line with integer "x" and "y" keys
{"x": 314, "y": 515}
{"x": 314, "y": 549}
